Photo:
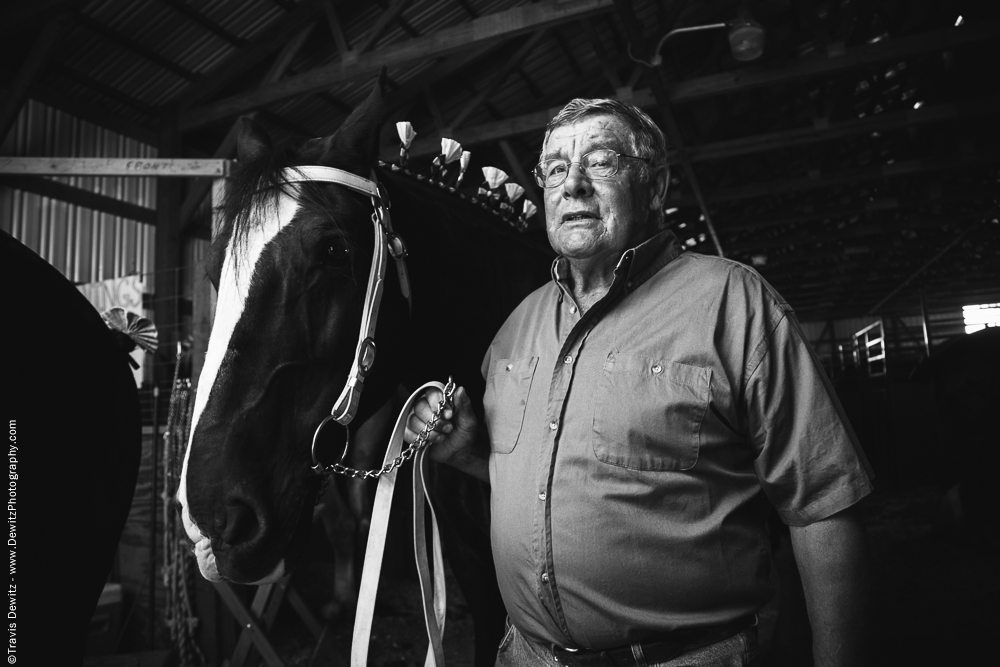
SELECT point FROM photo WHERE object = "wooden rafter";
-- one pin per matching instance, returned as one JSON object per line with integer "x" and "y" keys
{"x": 256, "y": 50}
{"x": 201, "y": 188}
{"x": 20, "y": 16}
{"x": 67, "y": 72}
{"x": 853, "y": 175}
{"x": 822, "y": 130}
{"x": 135, "y": 46}
{"x": 80, "y": 197}
{"x": 26, "y": 75}
{"x": 385, "y": 19}
{"x": 523, "y": 178}
{"x": 336, "y": 29}
{"x": 504, "y": 128}
{"x": 499, "y": 26}
{"x": 194, "y": 15}
{"x": 603, "y": 56}
{"x": 508, "y": 66}
{"x": 836, "y": 60}
{"x": 90, "y": 111}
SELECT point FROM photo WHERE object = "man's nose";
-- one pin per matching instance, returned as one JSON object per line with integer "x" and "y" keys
{"x": 577, "y": 183}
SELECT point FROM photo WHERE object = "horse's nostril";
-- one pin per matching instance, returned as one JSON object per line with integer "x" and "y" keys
{"x": 237, "y": 523}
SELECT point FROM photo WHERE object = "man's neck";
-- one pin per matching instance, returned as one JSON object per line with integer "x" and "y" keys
{"x": 590, "y": 281}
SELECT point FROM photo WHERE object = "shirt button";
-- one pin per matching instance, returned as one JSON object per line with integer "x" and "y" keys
{"x": 541, "y": 496}
{"x": 553, "y": 425}
{"x": 629, "y": 285}
{"x": 657, "y": 368}
{"x": 545, "y": 577}
{"x": 568, "y": 359}
{"x": 572, "y": 309}
{"x": 509, "y": 367}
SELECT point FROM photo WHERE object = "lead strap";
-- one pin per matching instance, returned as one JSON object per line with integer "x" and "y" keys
{"x": 433, "y": 598}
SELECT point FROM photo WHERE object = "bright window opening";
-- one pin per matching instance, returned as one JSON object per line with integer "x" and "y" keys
{"x": 981, "y": 316}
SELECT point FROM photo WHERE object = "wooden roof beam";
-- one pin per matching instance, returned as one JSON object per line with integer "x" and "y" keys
{"x": 505, "y": 128}
{"x": 505, "y": 71}
{"x": 820, "y": 132}
{"x": 80, "y": 197}
{"x": 101, "y": 88}
{"x": 499, "y": 26}
{"x": 336, "y": 28}
{"x": 134, "y": 46}
{"x": 602, "y": 54}
{"x": 91, "y": 112}
{"x": 824, "y": 131}
{"x": 836, "y": 60}
{"x": 200, "y": 189}
{"x": 381, "y": 25}
{"x": 194, "y": 15}
{"x": 10, "y": 107}
{"x": 257, "y": 49}
{"x": 524, "y": 179}
{"x": 18, "y": 17}
{"x": 854, "y": 175}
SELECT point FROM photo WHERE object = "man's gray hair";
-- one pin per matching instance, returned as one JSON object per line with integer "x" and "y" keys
{"x": 646, "y": 140}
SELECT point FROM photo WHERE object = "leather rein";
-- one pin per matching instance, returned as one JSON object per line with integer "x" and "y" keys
{"x": 430, "y": 563}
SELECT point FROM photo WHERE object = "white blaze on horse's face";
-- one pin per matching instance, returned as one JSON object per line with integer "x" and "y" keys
{"x": 234, "y": 286}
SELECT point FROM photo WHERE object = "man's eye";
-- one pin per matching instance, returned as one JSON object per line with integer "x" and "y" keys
{"x": 556, "y": 168}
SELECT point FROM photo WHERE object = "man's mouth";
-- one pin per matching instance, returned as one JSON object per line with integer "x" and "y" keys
{"x": 578, "y": 216}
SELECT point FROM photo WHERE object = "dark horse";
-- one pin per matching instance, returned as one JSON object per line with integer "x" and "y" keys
{"x": 291, "y": 264}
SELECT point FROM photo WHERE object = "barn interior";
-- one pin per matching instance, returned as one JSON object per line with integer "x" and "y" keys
{"x": 845, "y": 149}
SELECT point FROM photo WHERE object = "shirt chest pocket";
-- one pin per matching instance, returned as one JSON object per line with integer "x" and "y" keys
{"x": 506, "y": 399}
{"x": 648, "y": 413}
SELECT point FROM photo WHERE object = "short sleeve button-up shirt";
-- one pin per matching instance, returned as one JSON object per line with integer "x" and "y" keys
{"x": 635, "y": 449}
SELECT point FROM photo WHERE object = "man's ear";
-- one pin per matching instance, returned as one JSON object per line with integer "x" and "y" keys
{"x": 659, "y": 183}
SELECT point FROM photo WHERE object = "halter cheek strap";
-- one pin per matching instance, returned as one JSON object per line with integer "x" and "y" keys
{"x": 385, "y": 241}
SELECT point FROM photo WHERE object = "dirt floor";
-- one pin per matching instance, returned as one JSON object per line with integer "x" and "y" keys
{"x": 935, "y": 598}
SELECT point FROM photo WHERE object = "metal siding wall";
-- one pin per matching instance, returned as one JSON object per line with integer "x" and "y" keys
{"x": 85, "y": 245}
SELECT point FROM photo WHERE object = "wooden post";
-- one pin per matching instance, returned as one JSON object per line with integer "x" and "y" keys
{"x": 168, "y": 245}
{"x": 204, "y": 295}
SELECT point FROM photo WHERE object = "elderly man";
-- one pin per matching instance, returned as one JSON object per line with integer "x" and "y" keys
{"x": 644, "y": 409}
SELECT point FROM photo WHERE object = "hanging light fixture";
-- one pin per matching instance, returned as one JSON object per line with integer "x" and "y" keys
{"x": 746, "y": 38}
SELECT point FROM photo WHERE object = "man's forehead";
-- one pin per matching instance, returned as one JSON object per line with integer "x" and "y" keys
{"x": 595, "y": 131}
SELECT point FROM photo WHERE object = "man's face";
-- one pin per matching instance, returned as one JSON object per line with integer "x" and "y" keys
{"x": 595, "y": 219}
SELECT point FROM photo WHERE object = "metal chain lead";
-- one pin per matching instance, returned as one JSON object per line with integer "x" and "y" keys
{"x": 419, "y": 443}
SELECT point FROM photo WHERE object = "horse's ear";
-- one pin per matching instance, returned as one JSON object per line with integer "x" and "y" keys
{"x": 253, "y": 140}
{"x": 355, "y": 143}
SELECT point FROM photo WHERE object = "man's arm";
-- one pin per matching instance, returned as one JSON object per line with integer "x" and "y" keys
{"x": 835, "y": 565}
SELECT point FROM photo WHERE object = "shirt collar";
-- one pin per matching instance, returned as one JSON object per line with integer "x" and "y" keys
{"x": 636, "y": 265}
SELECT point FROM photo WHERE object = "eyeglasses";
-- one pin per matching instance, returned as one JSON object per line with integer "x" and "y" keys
{"x": 599, "y": 164}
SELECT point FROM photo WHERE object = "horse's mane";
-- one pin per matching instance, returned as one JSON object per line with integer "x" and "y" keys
{"x": 253, "y": 188}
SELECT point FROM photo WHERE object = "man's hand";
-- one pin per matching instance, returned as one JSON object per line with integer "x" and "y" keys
{"x": 454, "y": 438}
{"x": 834, "y": 562}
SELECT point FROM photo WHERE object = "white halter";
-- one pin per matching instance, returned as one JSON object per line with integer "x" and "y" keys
{"x": 385, "y": 239}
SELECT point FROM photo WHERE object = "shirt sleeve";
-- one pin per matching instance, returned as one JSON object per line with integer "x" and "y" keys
{"x": 809, "y": 461}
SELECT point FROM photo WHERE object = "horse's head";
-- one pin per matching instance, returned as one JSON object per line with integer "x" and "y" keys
{"x": 291, "y": 266}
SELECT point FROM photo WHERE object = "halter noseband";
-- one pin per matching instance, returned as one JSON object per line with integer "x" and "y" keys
{"x": 385, "y": 240}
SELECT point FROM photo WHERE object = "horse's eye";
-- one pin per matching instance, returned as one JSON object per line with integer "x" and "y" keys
{"x": 335, "y": 252}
